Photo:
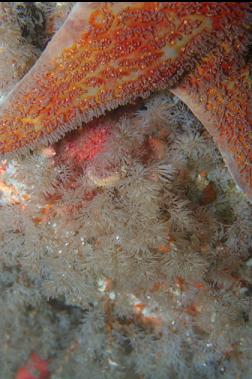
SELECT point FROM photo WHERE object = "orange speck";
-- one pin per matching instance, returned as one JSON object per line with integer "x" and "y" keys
{"x": 203, "y": 174}
{"x": 152, "y": 321}
{"x": 180, "y": 283}
{"x": 164, "y": 249}
{"x": 209, "y": 194}
{"x": 26, "y": 197}
{"x": 37, "y": 220}
{"x": 158, "y": 147}
{"x": 199, "y": 285}
{"x": 139, "y": 307}
{"x": 192, "y": 310}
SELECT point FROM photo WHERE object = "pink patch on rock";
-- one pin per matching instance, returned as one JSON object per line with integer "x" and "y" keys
{"x": 82, "y": 145}
{"x": 35, "y": 368}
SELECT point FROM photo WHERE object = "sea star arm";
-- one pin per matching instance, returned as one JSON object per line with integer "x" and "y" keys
{"x": 105, "y": 55}
{"x": 219, "y": 93}
{"x": 108, "y": 54}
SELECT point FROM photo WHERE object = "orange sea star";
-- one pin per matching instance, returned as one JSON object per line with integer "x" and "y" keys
{"x": 108, "y": 54}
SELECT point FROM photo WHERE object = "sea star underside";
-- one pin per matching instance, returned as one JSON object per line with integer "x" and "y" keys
{"x": 109, "y": 54}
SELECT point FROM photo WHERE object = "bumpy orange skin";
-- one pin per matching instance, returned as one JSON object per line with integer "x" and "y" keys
{"x": 219, "y": 92}
{"x": 108, "y": 54}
